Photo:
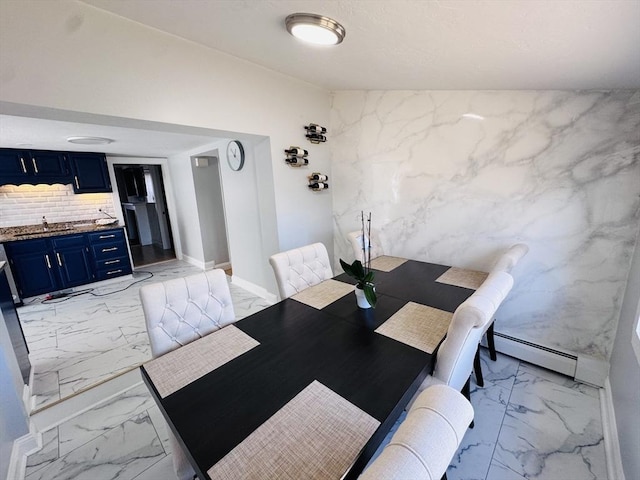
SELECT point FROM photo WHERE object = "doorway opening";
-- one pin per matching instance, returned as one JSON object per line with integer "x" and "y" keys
{"x": 142, "y": 197}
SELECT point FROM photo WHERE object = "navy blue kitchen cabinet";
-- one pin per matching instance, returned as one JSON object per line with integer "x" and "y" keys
{"x": 45, "y": 265}
{"x": 109, "y": 250}
{"x": 13, "y": 163}
{"x": 50, "y": 165}
{"x": 90, "y": 173}
{"x": 74, "y": 263}
{"x": 33, "y": 166}
{"x": 33, "y": 266}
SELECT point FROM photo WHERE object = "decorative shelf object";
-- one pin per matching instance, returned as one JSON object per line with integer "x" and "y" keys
{"x": 315, "y": 133}
{"x": 318, "y": 181}
{"x": 296, "y": 156}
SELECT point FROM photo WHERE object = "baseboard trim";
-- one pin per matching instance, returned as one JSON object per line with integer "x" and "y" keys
{"x": 22, "y": 448}
{"x": 193, "y": 261}
{"x": 555, "y": 360}
{"x": 612, "y": 453}
{"x": 255, "y": 289}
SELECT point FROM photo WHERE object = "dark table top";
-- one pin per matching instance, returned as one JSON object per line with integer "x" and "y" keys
{"x": 336, "y": 346}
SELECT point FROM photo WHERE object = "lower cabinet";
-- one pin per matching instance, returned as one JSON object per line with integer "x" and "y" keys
{"x": 73, "y": 260}
{"x": 109, "y": 251}
{"x": 45, "y": 265}
{"x": 32, "y": 265}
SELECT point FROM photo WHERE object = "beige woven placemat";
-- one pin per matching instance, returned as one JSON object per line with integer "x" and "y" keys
{"x": 321, "y": 295}
{"x": 417, "y": 325}
{"x": 316, "y": 436}
{"x": 186, "y": 364}
{"x": 463, "y": 278}
{"x": 386, "y": 263}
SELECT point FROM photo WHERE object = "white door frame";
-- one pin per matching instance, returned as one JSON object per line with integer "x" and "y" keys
{"x": 168, "y": 192}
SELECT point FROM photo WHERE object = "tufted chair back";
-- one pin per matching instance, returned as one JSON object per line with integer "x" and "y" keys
{"x": 373, "y": 243}
{"x": 510, "y": 258}
{"x": 300, "y": 268}
{"x": 178, "y": 312}
{"x": 454, "y": 361}
{"x": 427, "y": 439}
{"x": 182, "y": 310}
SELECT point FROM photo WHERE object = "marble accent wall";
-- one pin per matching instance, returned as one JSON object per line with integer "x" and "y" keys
{"x": 558, "y": 170}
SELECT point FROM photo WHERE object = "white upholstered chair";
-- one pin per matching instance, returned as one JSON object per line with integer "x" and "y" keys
{"x": 179, "y": 311}
{"x": 505, "y": 263}
{"x": 455, "y": 357}
{"x": 427, "y": 439}
{"x": 357, "y": 241}
{"x": 300, "y": 268}
{"x": 508, "y": 260}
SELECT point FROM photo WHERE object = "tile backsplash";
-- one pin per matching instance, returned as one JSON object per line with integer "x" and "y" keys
{"x": 26, "y": 204}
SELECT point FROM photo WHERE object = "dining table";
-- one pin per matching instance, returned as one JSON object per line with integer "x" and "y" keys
{"x": 309, "y": 387}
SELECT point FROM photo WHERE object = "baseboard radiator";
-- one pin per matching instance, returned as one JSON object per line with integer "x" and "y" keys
{"x": 556, "y": 360}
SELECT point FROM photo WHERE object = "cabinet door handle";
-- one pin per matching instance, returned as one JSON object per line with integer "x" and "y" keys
{"x": 59, "y": 259}
{"x": 35, "y": 165}
{"x": 77, "y": 184}
{"x": 46, "y": 256}
{"x": 112, "y": 249}
{"x": 106, "y": 236}
{"x": 111, "y": 262}
{"x": 24, "y": 167}
{"x": 113, "y": 272}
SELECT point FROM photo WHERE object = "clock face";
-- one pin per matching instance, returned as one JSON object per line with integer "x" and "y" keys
{"x": 235, "y": 155}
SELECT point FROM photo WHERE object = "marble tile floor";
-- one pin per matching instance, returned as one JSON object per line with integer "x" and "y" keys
{"x": 530, "y": 424}
{"x": 81, "y": 341}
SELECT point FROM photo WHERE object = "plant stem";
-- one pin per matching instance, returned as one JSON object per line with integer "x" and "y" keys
{"x": 364, "y": 242}
{"x": 369, "y": 241}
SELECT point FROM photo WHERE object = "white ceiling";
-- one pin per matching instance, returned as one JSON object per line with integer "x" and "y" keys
{"x": 139, "y": 141}
{"x": 390, "y": 45}
{"x": 419, "y": 44}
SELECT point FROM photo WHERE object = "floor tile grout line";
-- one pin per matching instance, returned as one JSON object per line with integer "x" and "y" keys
{"x": 155, "y": 428}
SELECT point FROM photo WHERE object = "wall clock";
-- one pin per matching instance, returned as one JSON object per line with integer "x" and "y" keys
{"x": 235, "y": 155}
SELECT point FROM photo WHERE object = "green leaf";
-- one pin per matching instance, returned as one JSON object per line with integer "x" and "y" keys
{"x": 347, "y": 268}
{"x": 355, "y": 270}
{"x": 370, "y": 294}
{"x": 369, "y": 277}
{"x": 358, "y": 269}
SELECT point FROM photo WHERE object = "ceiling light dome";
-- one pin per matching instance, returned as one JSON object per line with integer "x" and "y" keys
{"x": 90, "y": 140}
{"x": 315, "y": 29}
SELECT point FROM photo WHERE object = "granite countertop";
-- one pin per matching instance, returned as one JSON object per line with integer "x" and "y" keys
{"x": 28, "y": 232}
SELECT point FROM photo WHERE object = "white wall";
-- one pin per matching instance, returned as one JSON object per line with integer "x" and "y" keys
{"x": 187, "y": 220}
{"x": 248, "y": 200}
{"x": 208, "y": 188}
{"x": 99, "y": 63}
{"x": 557, "y": 170}
{"x": 624, "y": 375}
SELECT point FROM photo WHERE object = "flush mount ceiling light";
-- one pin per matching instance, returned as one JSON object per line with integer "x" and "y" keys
{"x": 90, "y": 140}
{"x": 315, "y": 29}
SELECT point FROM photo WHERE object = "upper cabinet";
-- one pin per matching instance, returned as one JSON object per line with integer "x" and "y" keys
{"x": 33, "y": 166}
{"x": 90, "y": 174}
{"x": 87, "y": 172}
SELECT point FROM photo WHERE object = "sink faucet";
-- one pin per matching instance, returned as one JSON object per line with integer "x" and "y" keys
{"x": 45, "y": 224}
